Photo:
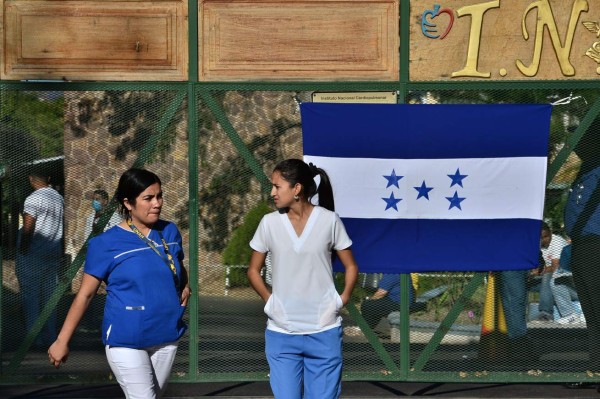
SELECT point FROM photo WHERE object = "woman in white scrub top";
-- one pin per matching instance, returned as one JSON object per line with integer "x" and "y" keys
{"x": 304, "y": 334}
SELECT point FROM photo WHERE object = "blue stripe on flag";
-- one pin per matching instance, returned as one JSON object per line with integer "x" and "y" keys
{"x": 421, "y": 131}
{"x": 404, "y": 246}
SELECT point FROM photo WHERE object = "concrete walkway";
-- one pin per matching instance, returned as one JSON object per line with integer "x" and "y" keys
{"x": 351, "y": 390}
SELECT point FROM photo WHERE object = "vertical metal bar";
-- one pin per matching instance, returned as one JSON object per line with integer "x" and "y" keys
{"x": 404, "y": 279}
{"x": 404, "y": 49}
{"x": 193, "y": 40}
{"x": 193, "y": 183}
{"x": 404, "y": 325}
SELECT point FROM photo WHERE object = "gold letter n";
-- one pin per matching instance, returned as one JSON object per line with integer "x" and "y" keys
{"x": 546, "y": 19}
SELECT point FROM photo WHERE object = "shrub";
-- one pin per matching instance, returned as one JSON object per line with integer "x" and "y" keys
{"x": 237, "y": 252}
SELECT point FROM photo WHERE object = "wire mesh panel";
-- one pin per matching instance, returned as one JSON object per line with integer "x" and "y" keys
{"x": 511, "y": 320}
{"x": 73, "y": 147}
{"x": 457, "y": 325}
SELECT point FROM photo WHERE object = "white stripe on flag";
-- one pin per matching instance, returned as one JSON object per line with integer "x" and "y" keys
{"x": 494, "y": 188}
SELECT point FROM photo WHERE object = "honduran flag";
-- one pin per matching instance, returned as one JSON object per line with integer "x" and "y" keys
{"x": 434, "y": 187}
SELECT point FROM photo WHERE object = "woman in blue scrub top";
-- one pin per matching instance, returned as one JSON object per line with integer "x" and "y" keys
{"x": 147, "y": 290}
{"x": 304, "y": 334}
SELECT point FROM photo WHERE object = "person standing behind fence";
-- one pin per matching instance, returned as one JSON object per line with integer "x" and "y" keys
{"x": 140, "y": 260}
{"x": 582, "y": 225}
{"x": 304, "y": 334}
{"x": 99, "y": 203}
{"x": 39, "y": 255}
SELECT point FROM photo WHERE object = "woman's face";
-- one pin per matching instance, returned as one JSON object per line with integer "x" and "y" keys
{"x": 148, "y": 205}
{"x": 282, "y": 192}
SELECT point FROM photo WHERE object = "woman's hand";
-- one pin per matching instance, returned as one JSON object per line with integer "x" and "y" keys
{"x": 58, "y": 353}
{"x": 185, "y": 295}
{"x": 345, "y": 298}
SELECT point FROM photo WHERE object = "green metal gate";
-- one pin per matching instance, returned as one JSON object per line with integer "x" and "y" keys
{"x": 213, "y": 145}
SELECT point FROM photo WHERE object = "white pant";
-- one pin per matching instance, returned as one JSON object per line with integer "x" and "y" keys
{"x": 142, "y": 373}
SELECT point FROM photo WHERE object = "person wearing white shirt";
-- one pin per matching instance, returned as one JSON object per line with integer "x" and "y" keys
{"x": 551, "y": 246}
{"x": 304, "y": 333}
{"x": 38, "y": 260}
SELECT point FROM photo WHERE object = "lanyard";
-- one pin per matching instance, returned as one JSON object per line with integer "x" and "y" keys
{"x": 168, "y": 260}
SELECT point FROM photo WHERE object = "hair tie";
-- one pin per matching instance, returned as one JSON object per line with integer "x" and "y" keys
{"x": 313, "y": 169}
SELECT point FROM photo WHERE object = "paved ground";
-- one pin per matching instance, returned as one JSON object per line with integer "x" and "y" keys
{"x": 363, "y": 390}
{"x": 231, "y": 341}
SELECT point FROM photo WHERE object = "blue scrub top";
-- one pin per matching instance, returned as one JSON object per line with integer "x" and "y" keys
{"x": 142, "y": 303}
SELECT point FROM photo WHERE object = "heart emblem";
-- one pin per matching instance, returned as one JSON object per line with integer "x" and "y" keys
{"x": 429, "y": 26}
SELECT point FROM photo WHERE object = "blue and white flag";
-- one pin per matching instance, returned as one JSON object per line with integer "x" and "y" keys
{"x": 434, "y": 187}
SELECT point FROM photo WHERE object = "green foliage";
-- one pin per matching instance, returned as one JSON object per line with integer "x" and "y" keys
{"x": 37, "y": 125}
{"x": 456, "y": 282}
{"x": 237, "y": 252}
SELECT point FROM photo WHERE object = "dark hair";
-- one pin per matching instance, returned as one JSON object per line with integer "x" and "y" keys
{"x": 39, "y": 172}
{"x": 546, "y": 227}
{"x": 131, "y": 184}
{"x": 102, "y": 193}
{"x": 297, "y": 171}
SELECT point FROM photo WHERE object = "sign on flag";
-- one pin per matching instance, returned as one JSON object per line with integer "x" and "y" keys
{"x": 434, "y": 187}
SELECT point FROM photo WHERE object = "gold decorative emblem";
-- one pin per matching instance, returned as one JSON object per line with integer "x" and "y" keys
{"x": 593, "y": 27}
{"x": 594, "y": 52}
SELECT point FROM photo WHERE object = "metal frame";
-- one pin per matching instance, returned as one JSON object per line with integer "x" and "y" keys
{"x": 194, "y": 91}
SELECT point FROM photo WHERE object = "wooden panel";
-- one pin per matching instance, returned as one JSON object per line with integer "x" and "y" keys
{"x": 300, "y": 40}
{"x": 100, "y": 40}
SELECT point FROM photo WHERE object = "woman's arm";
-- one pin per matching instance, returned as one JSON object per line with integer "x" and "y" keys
{"x": 351, "y": 275}
{"x": 186, "y": 292}
{"x": 59, "y": 350}
{"x": 380, "y": 293}
{"x": 257, "y": 261}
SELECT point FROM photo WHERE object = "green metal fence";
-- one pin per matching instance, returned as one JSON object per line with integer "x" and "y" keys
{"x": 213, "y": 145}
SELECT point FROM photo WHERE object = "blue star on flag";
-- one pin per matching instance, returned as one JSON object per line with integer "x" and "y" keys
{"x": 423, "y": 190}
{"x": 457, "y": 178}
{"x": 393, "y": 179}
{"x": 455, "y": 201}
{"x": 391, "y": 202}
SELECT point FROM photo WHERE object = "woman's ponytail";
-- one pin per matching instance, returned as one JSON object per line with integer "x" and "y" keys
{"x": 324, "y": 189}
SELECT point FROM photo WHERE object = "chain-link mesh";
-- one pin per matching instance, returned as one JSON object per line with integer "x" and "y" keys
{"x": 60, "y": 152}
{"x": 84, "y": 140}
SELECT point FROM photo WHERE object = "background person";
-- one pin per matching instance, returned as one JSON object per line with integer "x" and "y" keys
{"x": 140, "y": 260}
{"x": 99, "y": 203}
{"x": 385, "y": 300}
{"x": 304, "y": 333}
{"x": 39, "y": 255}
{"x": 582, "y": 224}
{"x": 551, "y": 246}
{"x": 563, "y": 289}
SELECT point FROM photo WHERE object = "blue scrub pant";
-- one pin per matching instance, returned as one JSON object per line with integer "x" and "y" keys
{"x": 311, "y": 363}
{"x": 38, "y": 278}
